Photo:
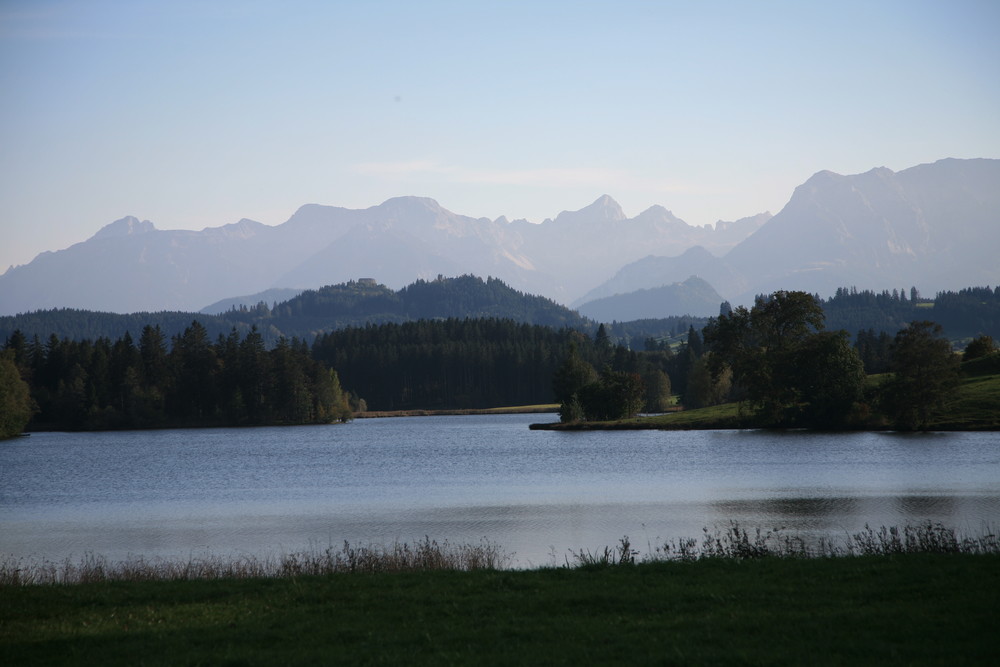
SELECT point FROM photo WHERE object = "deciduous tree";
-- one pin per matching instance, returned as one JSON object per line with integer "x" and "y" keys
{"x": 15, "y": 399}
{"x": 924, "y": 371}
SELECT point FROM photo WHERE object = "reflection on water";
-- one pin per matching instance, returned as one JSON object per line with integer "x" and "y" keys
{"x": 790, "y": 510}
{"x": 537, "y": 493}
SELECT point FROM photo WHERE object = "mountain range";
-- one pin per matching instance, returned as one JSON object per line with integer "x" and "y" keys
{"x": 130, "y": 265}
{"x": 693, "y": 297}
{"x": 933, "y": 226}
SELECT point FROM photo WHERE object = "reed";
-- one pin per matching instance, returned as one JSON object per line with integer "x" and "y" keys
{"x": 736, "y": 542}
{"x": 733, "y": 542}
{"x": 424, "y": 555}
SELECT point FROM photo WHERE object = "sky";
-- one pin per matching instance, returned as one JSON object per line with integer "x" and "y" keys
{"x": 198, "y": 114}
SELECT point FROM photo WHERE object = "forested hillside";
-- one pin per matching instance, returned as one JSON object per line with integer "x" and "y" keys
{"x": 970, "y": 312}
{"x": 356, "y": 303}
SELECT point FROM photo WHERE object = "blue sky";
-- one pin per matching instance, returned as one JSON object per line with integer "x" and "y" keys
{"x": 194, "y": 114}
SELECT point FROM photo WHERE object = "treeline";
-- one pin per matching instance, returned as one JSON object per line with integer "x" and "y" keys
{"x": 186, "y": 381}
{"x": 779, "y": 360}
{"x": 964, "y": 314}
{"x": 363, "y": 302}
{"x": 91, "y": 325}
{"x": 470, "y": 363}
{"x": 786, "y": 370}
{"x": 970, "y": 312}
{"x": 356, "y": 303}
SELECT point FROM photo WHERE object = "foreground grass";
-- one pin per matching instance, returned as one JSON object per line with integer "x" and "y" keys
{"x": 903, "y": 609}
{"x": 917, "y": 595}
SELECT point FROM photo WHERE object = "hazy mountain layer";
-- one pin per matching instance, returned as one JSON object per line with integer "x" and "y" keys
{"x": 694, "y": 296}
{"x": 934, "y": 226}
{"x": 131, "y": 266}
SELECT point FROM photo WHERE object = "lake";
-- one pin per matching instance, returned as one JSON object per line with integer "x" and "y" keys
{"x": 539, "y": 494}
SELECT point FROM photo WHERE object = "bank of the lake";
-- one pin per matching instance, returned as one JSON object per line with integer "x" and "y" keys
{"x": 458, "y": 412}
{"x": 972, "y": 406}
{"x": 917, "y": 609}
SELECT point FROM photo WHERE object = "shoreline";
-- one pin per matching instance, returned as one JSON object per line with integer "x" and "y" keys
{"x": 516, "y": 410}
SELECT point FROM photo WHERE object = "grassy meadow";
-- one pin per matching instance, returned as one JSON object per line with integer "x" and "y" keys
{"x": 920, "y": 595}
{"x": 917, "y": 609}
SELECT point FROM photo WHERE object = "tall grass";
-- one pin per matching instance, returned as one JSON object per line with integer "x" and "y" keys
{"x": 733, "y": 542}
{"x": 424, "y": 555}
{"x": 737, "y": 543}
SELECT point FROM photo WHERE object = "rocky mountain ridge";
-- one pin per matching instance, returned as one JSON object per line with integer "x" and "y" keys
{"x": 934, "y": 226}
{"x": 130, "y": 265}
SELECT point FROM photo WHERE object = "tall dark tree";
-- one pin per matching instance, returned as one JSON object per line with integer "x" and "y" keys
{"x": 829, "y": 377}
{"x": 253, "y": 369}
{"x": 658, "y": 395}
{"x": 793, "y": 373}
{"x": 617, "y": 395}
{"x": 572, "y": 374}
{"x": 153, "y": 353}
{"x": 16, "y": 406}
{"x": 980, "y": 346}
{"x": 924, "y": 372}
{"x": 194, "y": 365}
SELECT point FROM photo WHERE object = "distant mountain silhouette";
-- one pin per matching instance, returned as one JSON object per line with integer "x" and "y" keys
{"x": 269, "y": 297}
{"x": 131, "y": 266}
{"x": 694, "y": 296}
{"x": 652, "y": 272}
{"x": 934, "y": 226}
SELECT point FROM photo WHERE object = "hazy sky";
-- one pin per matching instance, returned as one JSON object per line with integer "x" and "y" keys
{"x": 195, "y": 114}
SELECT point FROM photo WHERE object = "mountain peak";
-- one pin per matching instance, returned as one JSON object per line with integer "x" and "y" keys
{"x": 410, "y": 202}
{"x": 604, "y": 209}
{"x": 608, "y": 206}
{"x": 659, "y": 214}
{"x": 127, "y": 226}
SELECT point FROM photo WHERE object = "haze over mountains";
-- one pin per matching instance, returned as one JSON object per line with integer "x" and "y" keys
{"x": 130, "y": 265}
{"x": 934, "y": 226}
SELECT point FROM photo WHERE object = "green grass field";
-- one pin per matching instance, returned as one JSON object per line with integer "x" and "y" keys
{"x": 920, "y": 609}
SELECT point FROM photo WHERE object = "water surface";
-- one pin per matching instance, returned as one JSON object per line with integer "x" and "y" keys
{"x": 182, "y": 493}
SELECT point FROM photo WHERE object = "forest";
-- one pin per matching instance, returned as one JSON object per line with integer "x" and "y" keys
{"x": 236, "y": 377}
{"x": 470, "y": 363}
{"x": 353, "y": 304}
{"x": 192, "y": 381}
{"x": 964, "y": 314}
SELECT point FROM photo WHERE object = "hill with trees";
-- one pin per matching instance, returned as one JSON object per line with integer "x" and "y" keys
{"x": 356, "y": 303}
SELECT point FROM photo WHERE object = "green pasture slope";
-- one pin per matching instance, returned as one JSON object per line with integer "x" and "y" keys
{"x": 913, "y": 609}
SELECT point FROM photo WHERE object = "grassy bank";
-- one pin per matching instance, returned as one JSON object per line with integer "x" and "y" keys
{"x": 905, "y": 609}
{"x": 973, "y": 406}
{"x": 725, "y": 416}
{"x": 919, "y": 595}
